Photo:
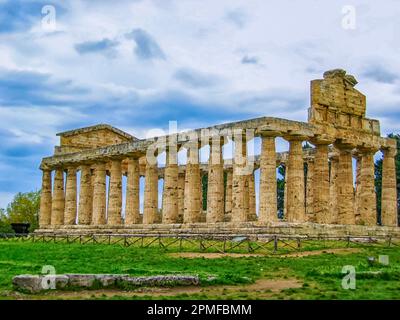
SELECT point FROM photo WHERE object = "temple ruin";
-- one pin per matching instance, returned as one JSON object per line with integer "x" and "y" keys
{"x": 321, "y": 195}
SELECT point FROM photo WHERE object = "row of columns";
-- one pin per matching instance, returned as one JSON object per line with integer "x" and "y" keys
{"x": 327, "y": 196}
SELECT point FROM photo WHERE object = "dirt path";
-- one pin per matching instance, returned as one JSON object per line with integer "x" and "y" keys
{"x": 317, "y": 252}
{"x": 214, "y": 255}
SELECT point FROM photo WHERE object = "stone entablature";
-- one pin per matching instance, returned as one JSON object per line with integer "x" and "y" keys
{"x": 319, "y": 184}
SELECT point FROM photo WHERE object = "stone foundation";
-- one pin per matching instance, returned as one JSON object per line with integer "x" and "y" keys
{"x": 251, "y": 229}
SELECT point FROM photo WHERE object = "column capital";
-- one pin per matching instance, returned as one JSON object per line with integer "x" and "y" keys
{"x": 363, "y": 150}
{"x": 132, "y": 158}
{"x": 322, "y": 140}
{"x": 270, "y": 133}
{"x": 59, "y": 167}
{"x": 390, "y": 152}
{"x": 71, "y": 167}
{"x": 295, "y": 137}
{"x": 345, "y": 146}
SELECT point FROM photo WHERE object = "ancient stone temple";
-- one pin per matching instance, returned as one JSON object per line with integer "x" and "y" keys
{"x": 324, "y": 193}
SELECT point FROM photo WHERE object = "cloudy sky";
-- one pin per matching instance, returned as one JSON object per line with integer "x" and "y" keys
{"x": 138, "y": 64}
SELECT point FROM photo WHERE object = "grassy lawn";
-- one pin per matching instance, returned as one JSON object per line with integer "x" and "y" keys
{"x": 319, "y": 275}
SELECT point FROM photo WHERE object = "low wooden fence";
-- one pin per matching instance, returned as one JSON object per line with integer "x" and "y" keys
{"x": 216, "y": 243}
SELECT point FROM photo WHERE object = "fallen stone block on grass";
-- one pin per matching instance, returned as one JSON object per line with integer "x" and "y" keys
{"x": 32, "y": 283}
{"x": 35, "y": 283}
{"x": 158, "y": 281}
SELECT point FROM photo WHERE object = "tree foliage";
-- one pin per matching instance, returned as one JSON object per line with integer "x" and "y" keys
{"x": 24, "y": 208}
{"x": 5, "y": 226}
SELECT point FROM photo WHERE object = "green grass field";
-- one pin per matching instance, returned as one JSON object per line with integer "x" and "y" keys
{"x": 318, "y": 276}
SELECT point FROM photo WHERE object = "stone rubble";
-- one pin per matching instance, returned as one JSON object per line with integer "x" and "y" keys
{"x": 34, "y": 283}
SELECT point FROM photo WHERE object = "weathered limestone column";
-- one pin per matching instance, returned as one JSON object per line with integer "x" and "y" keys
{"x": 203, "y": 179}
{"x": 310, "y": 216}
{"x": 115, "y": 193}
{"x": 70, "y": 197}
{"x": 228, "y": 192}
{"x": 268, "y": 187}
{"x": 240, "y": 174}
{"x": 389, "y": 188}
{"x": 150, "y": 212}
{"x": 321, "y": 183}
{"x": 215, "y": 191}
{"x": 132, "y": 207}
{"x": 85, "y": 196}
{"x": 45, "y": 199}
{"x": 295, "y": 182}
{"x": 181, "y": 196}
{"x": 246, "y": 198}
{"x": 58, "y": 205}
{"x": 252, "y": 198}
{"x": 193, "y": 192}
{"x": 333, "y": 187}
{"x": 357, "y": 190}
{"x": 170, "y": 195}
{"x": 99, "y": 195}
{"x": 345, "y": 189}
{"x": 367, "y": 200}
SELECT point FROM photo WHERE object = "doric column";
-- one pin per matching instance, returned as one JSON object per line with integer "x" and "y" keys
{"x": 181, "y": 196}
{"x": 70, "y": 197}
{"x": 268, "y": 187}
{"x": 389, "y": 188}
{"x": 115, "y": 193}
{"x": 247, "y": 197}
{"x": 345, "y": 189}
{"x": 321, "y": 183}
{"x": 99, "y": 194}
{"x": 367, "y": 197}
{"x": 333, "y": 187}
{"x": 357, "y": 189}
{"x": 240, "y": 174}
{"x": 193, "y": 192}
{"x": 45, "y": 199}
{"x": 85, "y": 196}
{"x": 132, "y": 207}
{"x": 58, "y": 205}
{"x": 252, "y": 213}
{"x": 295, "y": 182}
{"x": 215, "y": 191}
{"x": 170, "y": 195}
{"x": 310, "y": 216}
{"x": 203, "y": 182}
{"x": 150, "y": 212}
{"x": 228, "y": 192}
